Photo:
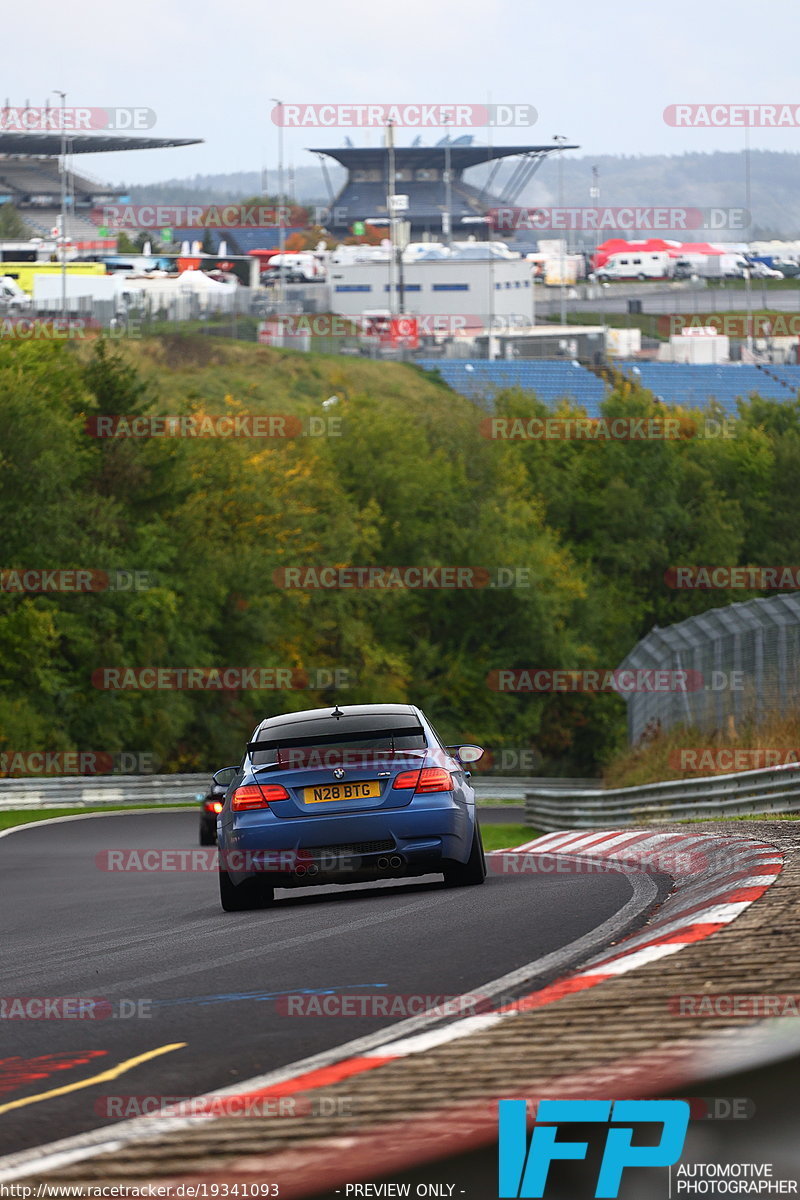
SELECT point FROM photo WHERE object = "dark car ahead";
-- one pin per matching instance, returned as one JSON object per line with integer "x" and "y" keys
{"x": 211, "y": 807}
{"x": 344, "y": 795}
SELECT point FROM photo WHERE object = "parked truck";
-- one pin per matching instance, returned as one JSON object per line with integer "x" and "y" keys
{"x": 711, "y": 266}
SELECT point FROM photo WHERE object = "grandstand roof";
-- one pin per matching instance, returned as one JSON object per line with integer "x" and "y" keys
{"x": 84, "y": 143}
{"x": 461, "y": 157}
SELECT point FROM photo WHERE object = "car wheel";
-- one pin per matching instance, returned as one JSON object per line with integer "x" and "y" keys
{"x": 207, "y": 836}
{"x": 471, "y": 872}
{"x": 252, "y": 893}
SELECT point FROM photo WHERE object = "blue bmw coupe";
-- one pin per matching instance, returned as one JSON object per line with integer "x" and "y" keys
{"x": 346, "y": 795}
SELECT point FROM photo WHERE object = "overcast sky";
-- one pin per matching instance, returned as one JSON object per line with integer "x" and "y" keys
{"x": 600, "y": 74}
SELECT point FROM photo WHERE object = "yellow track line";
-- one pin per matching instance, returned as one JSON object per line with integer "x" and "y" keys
{"x": 104, "y": 1077}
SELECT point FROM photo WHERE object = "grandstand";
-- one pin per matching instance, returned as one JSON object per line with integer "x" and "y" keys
{"x": 30, "y": 178}
{"x": 420, "y": 175}
{"x": 787, "y": 373}
{"x": 693, "y": 386}
{"x": 480, "y": 379}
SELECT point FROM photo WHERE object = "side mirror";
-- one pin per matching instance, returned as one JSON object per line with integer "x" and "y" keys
{"x": 225, "y": 776}
{"x": 469, "y": 753}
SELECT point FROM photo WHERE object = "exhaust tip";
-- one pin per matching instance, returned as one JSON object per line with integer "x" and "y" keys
{"x": 313, "y": 869}
{"x": 383, "y": 863}
{"x": 395, "y": 861}
{"x": 299, "y": 870}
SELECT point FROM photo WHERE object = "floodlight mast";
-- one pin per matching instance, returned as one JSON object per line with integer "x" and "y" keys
{"x": 390, "y": 205}
{"x": 281, "y": 229}
{"x": 63, "y": 221}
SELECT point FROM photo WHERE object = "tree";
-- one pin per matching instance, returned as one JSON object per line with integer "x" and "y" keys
{"x": 12, "y": 226}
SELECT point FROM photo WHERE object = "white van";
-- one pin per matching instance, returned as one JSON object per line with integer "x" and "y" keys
{"x": 302, "y": 267}
{"x": 636, "y": 264}
{"x": 12, "y": 296}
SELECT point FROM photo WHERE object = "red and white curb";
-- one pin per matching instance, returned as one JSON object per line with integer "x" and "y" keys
{"x": 716, "y": 879}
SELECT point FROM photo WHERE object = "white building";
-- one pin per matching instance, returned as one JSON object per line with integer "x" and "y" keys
{"x": 483, "y": 290}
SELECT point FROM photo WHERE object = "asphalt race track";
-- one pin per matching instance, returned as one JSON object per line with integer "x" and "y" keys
{"x": 213, "y": 981}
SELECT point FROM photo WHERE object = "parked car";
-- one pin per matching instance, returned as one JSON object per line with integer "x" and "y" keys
{"x": 364, "y": 792}
{"x": 760, "y": 270}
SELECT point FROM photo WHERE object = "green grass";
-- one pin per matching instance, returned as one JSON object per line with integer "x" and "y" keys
{"x": 25, "y": 816}
{"x": 501, "y": 837}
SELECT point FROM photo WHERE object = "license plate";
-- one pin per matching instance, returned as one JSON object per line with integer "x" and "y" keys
{"x": 326, "y": 792}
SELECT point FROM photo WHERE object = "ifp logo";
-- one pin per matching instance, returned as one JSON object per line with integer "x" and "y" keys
{"x": 523, "y": 1169}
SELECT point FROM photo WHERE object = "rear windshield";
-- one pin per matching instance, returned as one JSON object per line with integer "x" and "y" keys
{"x": 367, "y": 732}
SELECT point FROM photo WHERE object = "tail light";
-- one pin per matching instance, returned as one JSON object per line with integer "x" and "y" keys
{"x": 429, "y": 779}
{"x": 252, "y": 796}
{"x": 214, "y": 806}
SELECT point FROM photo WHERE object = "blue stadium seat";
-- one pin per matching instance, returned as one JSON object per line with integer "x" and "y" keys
{"x": 694, "y": 385}
{"x": 551, "y": 380}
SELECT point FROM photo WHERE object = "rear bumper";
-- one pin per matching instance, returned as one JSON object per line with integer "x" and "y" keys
{"x": 307, "y": 850}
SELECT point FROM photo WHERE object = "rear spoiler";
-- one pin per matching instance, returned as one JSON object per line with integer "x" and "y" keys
{"x": 336, "y": 739}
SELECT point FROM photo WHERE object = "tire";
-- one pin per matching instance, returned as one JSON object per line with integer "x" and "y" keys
{"x": 244, "y": 896}
{"x": 207, "y": 838}
{"x": 473, "y": 871}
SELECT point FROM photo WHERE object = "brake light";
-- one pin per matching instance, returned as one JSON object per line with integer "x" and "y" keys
{"x": 251, "y": 796}
{"x": 429, "y": 779}
{"x": 214, "y": 806}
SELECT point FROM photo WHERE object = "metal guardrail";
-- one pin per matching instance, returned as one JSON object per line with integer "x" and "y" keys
{"x": 507, "y": 787}
{"x": 747, "y": 793}
{"x": 81, "y": 791}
